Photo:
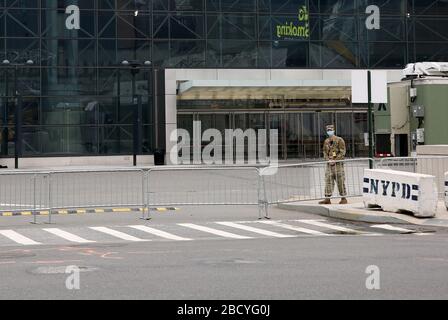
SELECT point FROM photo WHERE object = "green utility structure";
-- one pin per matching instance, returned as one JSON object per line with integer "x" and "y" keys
{"x": 417, "y": 111}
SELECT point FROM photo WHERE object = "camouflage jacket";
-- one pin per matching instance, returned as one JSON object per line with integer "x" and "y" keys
{"x": 334, "y": 149}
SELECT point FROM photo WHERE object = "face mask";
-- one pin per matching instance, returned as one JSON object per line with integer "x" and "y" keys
{"x": 330, "y": 133}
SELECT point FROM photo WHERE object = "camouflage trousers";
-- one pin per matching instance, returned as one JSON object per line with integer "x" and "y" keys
{"x": 334, "y": 174}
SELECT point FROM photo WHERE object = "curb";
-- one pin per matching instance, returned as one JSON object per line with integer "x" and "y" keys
{"x": 336, "y": 213}
{"x": 83, "y": 211}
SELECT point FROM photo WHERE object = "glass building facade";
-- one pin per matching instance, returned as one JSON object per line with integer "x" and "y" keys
{"x": 77, "y": 99}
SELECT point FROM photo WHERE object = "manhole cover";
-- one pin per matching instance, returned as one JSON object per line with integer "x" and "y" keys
{"x": 60, "y": 270}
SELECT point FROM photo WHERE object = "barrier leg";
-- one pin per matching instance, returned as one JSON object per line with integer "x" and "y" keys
{"x": 260, "y": 201}
{"x": 143, "y": 213}
{"x": 145, "y": 202}
{"x": 266, "y": 211}
{"x": 146, "y": 214}
{"x": 34, "y": 201}
{"x": 145, "y": 189}
{"x": 49, "y": 200}
{"x": 266, "y": 203}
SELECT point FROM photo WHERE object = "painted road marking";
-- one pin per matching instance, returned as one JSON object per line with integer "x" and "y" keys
{"x": 319, "y": 223}
{"x": 391, "y": 228}
{"x": 160, "y": 233}
{"x": 294, "y": 228}
{"x": 67, "y": 235}
{"x": 117, "y": 234}
{"x": 255, "y": 230}
{"x": 213, "y": 231}
{"x": 18, "y": 238}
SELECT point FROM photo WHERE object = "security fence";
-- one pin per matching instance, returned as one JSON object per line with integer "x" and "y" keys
{"x": 42, "y": 193}
{"x": 197, "y": 186}
{"x": 431, "y": 165}
{"x": 27, "y": 192}
{"x": 313, "y": 181}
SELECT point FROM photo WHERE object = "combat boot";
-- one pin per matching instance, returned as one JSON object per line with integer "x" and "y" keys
{"x": 326, "y": 201}
{"x": 343, "y": 201}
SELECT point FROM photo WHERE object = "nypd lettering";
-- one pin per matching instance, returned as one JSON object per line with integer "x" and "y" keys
{"x": 391, "y": 189}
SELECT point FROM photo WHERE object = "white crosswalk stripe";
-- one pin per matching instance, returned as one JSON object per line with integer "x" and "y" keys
{"x": 295, "y": 228}
{"x": 18, "y": 238}
{"x": 254, "y": 230}
{"x": 67, "y": 235}
{"x": 160, "y": 233}
{"x": 391, "y": 228}
{"x": 320, "y": 223}
{"x": 217, "y": 232}
{"x": 117, "y": 234}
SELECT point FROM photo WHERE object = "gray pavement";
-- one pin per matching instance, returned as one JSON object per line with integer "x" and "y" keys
{"x": 327, "y": 262}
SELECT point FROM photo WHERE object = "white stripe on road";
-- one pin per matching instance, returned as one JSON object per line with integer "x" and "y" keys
{"x": 117, "y": 234}
{"x": 213, "y": 231}
{"x": 318, "y": 223}
{"x": 67, "y": 235}
{"x": 18, "y": 238}
{"x": 294, "y": 228}
{"x": 160, "y": 233}
{"x": 391, "y": 228}
{"x": 254, "y": 230}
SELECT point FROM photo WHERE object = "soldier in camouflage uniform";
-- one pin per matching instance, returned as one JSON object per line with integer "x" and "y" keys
{"x": 334, "y": 151}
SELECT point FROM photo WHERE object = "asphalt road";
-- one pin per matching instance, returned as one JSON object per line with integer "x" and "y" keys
{"x": 328, "y": 262}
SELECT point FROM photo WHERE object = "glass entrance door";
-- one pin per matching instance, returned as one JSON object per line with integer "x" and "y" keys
{"x": 216, "y": 121}
{"x": 293, "y": 136}
{"x": 277, "y": 122}
{"x": 251, "y": 120}
{"x": 310, "y": 136}
{"x": 300, "y": 134}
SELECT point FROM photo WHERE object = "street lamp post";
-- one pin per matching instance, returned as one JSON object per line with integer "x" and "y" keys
{"x": 135, "y": 67}
{"x": 18, "y": 111}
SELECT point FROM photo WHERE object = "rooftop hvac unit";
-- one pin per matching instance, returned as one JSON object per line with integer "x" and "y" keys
{"x": 426, "y": 69}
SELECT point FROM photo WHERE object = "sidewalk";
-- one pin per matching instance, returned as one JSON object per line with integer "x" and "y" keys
{"x": 355, "y": 211}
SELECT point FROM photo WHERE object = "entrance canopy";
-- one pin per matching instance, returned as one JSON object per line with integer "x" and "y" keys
{"x": 269, "y": 89}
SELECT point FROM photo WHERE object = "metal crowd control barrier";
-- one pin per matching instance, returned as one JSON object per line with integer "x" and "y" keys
{"x": 307, "y": 181}
{"x": 432, "y": 165}
{"x": 176, "y": 186}
{"x": 97, "y": 188}
{"x": 26, "y": 192}
{"x": 196, "y": 186}
{"x": 41, "y": 193}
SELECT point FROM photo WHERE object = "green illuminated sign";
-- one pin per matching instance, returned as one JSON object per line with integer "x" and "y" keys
{"x": 295, "y": 30}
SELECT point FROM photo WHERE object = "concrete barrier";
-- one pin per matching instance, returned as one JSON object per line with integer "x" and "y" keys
{"x": 396, "y": 191}
{"x": 446, "y": 190}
